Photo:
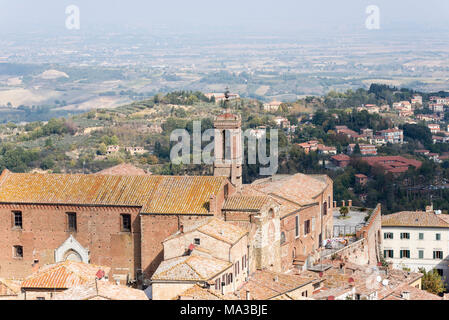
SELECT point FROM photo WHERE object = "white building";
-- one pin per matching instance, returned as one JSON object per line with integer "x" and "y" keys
{"x": 417, "y": 239}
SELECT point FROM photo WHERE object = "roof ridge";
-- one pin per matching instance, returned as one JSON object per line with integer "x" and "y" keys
{"x": 191, "y": 267}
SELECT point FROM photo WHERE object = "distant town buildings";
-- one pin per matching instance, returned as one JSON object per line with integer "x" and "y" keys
{"x": 365, "y": 149}
{"x": 416, "y": 100}
{"x": 112, "y": 149}
{"x": 433, "y": 127}
{"x": 393, "y": 164}
{"x": 393, "y": 136}
{"x": 219, "y": 97}
{"x": 341, "y": 160}
{"x": 272, "y": 106}
{"x": 135, "y": 150}
{"x": 313, "y": 145}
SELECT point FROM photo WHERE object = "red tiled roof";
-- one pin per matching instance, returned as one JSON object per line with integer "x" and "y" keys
{"x": 395, "y": 163}
{"x": 341, "y": 157}
{"x": 155, "y": 194}
{"x": 63, "y": 275}
{"x": 414, "y": 219}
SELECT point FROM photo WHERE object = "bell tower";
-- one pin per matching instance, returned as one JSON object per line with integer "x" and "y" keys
{"x": 228, "y": 145}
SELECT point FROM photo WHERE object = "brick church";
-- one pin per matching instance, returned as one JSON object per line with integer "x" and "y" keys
{"x": 121, "y": 220}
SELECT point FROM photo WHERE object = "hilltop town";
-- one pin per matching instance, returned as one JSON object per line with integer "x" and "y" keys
{"x": 93, "y": 208}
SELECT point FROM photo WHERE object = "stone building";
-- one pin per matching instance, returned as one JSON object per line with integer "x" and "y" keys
{"x": 214, "y": 254}
{"x": 117, "y": 221}
{"x": 121, "y": 220}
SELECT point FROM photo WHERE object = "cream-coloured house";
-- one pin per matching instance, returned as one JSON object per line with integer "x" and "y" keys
{"x": 212, "y": 254}
{"x": 417, "y": 239}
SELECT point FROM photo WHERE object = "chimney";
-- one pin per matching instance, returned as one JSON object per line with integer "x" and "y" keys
{"x": 248, "y": 295}
{"x": 212, "y": 204}
{"x": 405, "y": 295}
{"x": 349, "y": 203}
{"x": 343, "y": 203}
{"x": 429, "y": 209}
{"x": 335, "y": 204}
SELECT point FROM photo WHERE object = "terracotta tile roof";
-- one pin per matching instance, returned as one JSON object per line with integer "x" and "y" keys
{"x": 63, "y": 275}
{"x": 391, "y": 162}
{"x": 198, "y": 293}
{"x": 155, "y": 194}
{"x": 9, "y": 287}
{"x": 298, "y": 188}
{"x": 264, "y": 284}
{"x": 124, "y": 169}
{"x": 415, "y": 294}
{"x": 101, "y": 290}
{"x": 190, "y": 268}
{"x": 245, "y": 203}
{"x": 341, "y": 157}
{"x": 215, "y": 228}
{"x": 414, "y": 219}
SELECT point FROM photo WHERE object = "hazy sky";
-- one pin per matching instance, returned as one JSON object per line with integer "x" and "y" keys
{"x": 277, "y": 16}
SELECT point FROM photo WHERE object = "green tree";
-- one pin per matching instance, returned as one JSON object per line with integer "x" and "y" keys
{"x": 344, "y": 211}
{"x": 432, "y": 282}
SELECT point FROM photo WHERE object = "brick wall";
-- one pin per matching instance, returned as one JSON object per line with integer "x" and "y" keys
{"x": 155, "y": 229}
{"x": 371, "y": 233}
{"x": 45, "y": 229}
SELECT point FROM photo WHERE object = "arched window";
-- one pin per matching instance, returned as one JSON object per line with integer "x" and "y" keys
{"x": 271, "y": 213}
{"x": 282, "y": 237}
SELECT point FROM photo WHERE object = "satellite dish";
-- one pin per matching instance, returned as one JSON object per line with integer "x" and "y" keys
{"x": 385, "y": 282}
{"x": 379, "y": 278}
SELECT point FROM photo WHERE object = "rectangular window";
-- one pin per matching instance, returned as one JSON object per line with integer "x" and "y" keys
{"x": 18, "y": 252}
{"x": 71, "y": 221}
{"x": 306, "y": 227}
{"x": 405, "y": 235}
{"x": 388, "y": 235}
{"x": 197, "y": 241}
{"x": 17, "y": 219}
{"x": 438, "y": 236}
{"x": 313, "y": 224}
{"x": 405, "y": 254}
{"x": 388, "y": 253}
{"x": 440, "y": 272}
{"x": 421, "y": 236}
{"x": 217, "y": 284}
{"x": 126, "y": 222}
{"x": 226, "y": 191}
{"x": 438, "y": 254}
{"x": 297, "y": 226}
{"x": 421, "y": 254}
{"x": 329, "y": 202}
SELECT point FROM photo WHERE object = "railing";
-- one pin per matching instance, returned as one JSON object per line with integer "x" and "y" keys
{"x": 351, "y": 246}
